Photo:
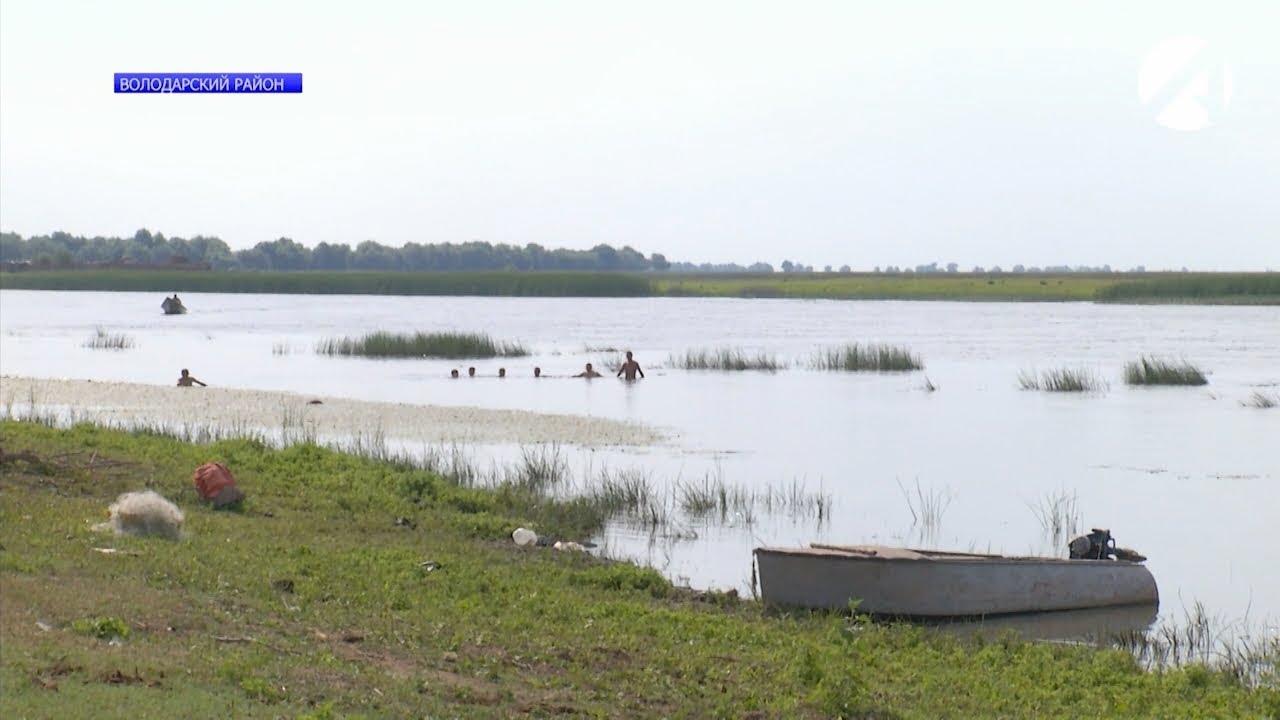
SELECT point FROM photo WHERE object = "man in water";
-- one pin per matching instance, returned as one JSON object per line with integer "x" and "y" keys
{"x": 471, "y": 372}
{"x": 502, "y": 372}
{"x": 187, "y": 380}
{"x": 630, "y": 367}
{"x": 454, "y": 373}
{"x": 588, "y": 373}
{"x": 537, "y": 372}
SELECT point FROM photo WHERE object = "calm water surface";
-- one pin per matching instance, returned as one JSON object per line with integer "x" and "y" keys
{"x": 1189, "y": 476}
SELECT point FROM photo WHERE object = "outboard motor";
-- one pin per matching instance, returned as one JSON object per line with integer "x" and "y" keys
{"x": 1097, "y": 545}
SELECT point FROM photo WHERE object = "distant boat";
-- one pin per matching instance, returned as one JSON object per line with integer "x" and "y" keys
{"x": 928, "y": 583}
{"x": 173, "y": 306}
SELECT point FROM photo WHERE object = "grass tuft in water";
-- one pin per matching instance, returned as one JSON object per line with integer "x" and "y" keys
{"x": 1263, "y": 400}
{"x": 1159, "y": 371}
{"x": 1059, "y": 516}
{"x": 402, "y": 345}
{"x": 103, "y": 340}
{"x": 727, "y": 358}
{"x": 867, "y": 358}
{"x": 1062, "y": 380}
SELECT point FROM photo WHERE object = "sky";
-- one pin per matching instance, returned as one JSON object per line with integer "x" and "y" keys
{"x": 846, "y": 132}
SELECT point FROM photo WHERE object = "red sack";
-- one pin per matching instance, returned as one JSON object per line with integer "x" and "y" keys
{"x": 212, "y": 481}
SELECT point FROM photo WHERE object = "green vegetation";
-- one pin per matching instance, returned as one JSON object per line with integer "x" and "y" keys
{"x": 315, "y": 600}
{"x": 1063, "y": 380}
{"x": 103, "y": 340}
{"x": 726, "y": 358}
{"x": 867, "y": 358}
{"x": 382, "y": 344}
{"x": 1158, "y": 371}
{"x": 1240, "y": 288}
{"x": 514, "y": 284}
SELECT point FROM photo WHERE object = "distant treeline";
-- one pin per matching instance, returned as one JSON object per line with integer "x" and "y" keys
{"x": 65, "y": 251}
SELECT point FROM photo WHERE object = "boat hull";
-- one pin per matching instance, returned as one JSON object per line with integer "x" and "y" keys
{"x": 890, "y": 581}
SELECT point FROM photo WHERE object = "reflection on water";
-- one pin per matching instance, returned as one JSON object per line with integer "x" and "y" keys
{"x": 1189, "y": 476}
{"x": 1066, "y": 626}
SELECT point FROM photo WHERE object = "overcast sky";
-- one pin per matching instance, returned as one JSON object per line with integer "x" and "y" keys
{"x": 859, "y": 132}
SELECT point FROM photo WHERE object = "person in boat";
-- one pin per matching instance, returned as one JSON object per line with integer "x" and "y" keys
{"x": 589, "y": 373}
{"x": 631, "y": 368}
{"x": 187, "y": 380}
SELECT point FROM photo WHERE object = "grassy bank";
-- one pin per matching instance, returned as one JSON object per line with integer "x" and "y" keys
{"x": 1227, "y": 288}
{"x": 348, "y": 587}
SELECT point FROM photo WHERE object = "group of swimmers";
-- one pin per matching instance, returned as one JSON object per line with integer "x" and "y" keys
{"x": 630, "y": 369}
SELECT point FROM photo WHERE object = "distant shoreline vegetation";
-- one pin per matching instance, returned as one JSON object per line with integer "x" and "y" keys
{"x": 1131, "y": 288}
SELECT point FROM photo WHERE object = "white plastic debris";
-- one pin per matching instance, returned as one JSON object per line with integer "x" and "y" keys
{"x": 569, "y": 545}
{"x": 524, "y": 536}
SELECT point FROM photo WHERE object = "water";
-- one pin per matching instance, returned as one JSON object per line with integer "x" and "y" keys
{"x": 1188, "y": 476}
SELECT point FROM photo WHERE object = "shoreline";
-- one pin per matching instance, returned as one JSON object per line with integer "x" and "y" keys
{"x": 120, "y": 403}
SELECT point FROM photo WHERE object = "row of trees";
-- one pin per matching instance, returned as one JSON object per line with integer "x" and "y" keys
{"x": 62, "y": 250}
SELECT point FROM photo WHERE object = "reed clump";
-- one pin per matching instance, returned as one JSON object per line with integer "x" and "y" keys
{"x": 727, "y": 358}
{"x": 103, "y": 340}
{"x": 872, "y": 357}
{"x": 382, "y": 344}
{"x": 1160, "y": 371}
{"x": 1263, "y": 400}
{"x": 1062, "y": 380}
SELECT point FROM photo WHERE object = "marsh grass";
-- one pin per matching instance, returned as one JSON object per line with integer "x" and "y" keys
{"x": 1262, "y": 400}
{"x": 382, "y": 344}
{"x": 728, "y": 359}
{"x": 281, "y": 348}
{"x": 927, "y": 508}
{"x": 1160, "y": 371}
{"x": 1206, "y": 641}
{"x": 1059, "y": 516}
{"x": 1062, "y": 380}
{"x": 867, "y": 358}
{"x": 103, "y": 340}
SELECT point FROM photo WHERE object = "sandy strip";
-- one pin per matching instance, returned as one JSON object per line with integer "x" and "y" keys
{"x": 130, "y": 403}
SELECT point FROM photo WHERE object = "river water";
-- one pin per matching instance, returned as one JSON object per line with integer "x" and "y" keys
{"x": 1188, "y": 476}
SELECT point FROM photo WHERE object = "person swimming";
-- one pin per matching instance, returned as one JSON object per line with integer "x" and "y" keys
{"x": 502, "y": 372}
{"x": 537, "y": 372}
{"x": 187, "y": 380}
{"x": 589, "y": 373}
{"x": 454, "y": 373}
{"x": 471, "y": 372}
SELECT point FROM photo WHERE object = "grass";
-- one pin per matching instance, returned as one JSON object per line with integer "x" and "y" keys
{"x": 103, "y": 340}
{"x": 1262, "y": 400}
{"x": 383, "y": 344}
{"x": 1158, "y": 371}
{"x": 1245, "y": 288}
{"x": 1059, "y": 517}
{"x": 867, "y": 358}
{"x": 726, "y": 358}
{"x": 313, "y": 600}
{"x": 1062, "y": 380}
{"x": 927, "y": 508}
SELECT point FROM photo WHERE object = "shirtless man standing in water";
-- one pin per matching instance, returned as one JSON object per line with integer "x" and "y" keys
{"x": 187, "y": 380}
{"x": 630, "y": 367}
{"x": 588, "y": 373}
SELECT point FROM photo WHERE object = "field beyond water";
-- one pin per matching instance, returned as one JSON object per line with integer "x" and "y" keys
{"x": 348, "y": 587}
{"x": 1204, "y": 288}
